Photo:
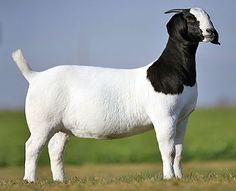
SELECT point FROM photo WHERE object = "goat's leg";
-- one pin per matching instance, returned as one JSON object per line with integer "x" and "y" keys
{"x": 33, "y": 147}
{"x": 165, "y": 133}
{"x": 56, "y": 147}
{"x": 179, "y": 138}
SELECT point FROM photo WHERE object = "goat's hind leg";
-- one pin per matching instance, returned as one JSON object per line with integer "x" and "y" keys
{"x": 56, "y": 148}
{"x": 33, "y": 148}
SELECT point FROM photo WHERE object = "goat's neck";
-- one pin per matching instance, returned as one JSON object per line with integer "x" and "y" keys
{"x": 175, "y": 68}
{"x": 179, "y": 53}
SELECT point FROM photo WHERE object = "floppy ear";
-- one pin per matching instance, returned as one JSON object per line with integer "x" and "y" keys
{"x": 177, "y": 27}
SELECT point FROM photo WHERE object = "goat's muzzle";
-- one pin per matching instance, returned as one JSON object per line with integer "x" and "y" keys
{"x": 213, "y": 35}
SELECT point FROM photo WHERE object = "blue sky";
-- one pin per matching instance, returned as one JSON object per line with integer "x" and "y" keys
{"x": 109, "y": 33}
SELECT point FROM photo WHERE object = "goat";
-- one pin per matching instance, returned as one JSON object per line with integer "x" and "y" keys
{"x": 105, "y": 103}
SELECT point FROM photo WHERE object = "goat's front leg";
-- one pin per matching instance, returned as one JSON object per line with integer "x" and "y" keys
{"x": 180, "y": 132}
{"x": 165, "y": 133}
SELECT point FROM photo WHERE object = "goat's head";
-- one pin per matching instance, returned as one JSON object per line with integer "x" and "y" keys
{"x": 192, "y": 25}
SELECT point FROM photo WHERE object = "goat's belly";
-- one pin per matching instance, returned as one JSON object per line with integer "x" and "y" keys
{"x": 112, "y": 134}
{"x": 133, "y": 131}
{"x": 107, "y": 130}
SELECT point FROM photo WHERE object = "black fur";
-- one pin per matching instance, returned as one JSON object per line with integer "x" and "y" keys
{"x": 176, "y": 67}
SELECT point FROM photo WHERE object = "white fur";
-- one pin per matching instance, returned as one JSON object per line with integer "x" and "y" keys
{"x": 100, "y": 103}
{"x": 204, "y": 20}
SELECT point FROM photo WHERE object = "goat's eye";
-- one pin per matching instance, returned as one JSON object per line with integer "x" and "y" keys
{"x": 190, "y": 18}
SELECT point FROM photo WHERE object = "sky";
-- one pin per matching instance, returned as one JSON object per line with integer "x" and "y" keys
{"x": 110, "y": 33}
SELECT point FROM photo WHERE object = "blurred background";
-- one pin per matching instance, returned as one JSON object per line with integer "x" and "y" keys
{"x": 109, "y": 33}
{"x": 117, "y": 34}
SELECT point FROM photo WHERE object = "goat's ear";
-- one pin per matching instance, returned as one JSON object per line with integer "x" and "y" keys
{"x": 177, "y": 27}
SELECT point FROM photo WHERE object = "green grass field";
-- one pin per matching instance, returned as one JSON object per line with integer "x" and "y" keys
{"x": 208, "y": 176}
{"x": 131, "y": 163}
{"x": 210, "y": 136}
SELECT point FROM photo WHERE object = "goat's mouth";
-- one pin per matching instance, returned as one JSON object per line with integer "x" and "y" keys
{"x": 208, "y": 38}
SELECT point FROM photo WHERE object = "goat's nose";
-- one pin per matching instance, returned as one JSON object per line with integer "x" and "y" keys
{"x": 210, "y": 30}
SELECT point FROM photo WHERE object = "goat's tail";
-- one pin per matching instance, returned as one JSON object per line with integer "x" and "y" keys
{"x": 22, "y": 65}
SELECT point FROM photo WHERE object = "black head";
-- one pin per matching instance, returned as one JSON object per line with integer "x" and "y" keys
{"x": 192, "y": 25}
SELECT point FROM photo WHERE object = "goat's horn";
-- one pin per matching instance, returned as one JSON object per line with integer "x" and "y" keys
{"x": 176, "y": 11}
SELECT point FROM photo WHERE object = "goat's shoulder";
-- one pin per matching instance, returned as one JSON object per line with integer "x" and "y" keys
{"x": 165, "y": 78}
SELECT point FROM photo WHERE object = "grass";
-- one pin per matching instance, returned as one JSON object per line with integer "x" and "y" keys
{"x": 210, "y": 136}
{"x": 131, "y": 163}
{"x": 207, "y": 176}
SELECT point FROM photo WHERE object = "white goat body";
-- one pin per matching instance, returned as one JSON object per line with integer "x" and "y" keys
{"x": 102, "y": 103}
{"x": 106, "y": 103}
